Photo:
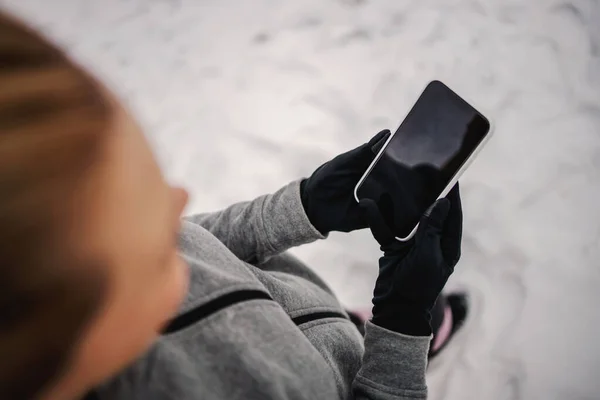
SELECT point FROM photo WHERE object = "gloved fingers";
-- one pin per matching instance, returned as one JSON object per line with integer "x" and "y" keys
{"x": 379, "y": 228}
{"x": 367, "y": 152}
{"x": 452, "y": 231}
{"x": 357, "y": 160}
{"x": 377, "y": 142}
{"x": 432, "y": 222}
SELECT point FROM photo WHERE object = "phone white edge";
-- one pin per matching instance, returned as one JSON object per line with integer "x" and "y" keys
{"x": 456, "y": 176}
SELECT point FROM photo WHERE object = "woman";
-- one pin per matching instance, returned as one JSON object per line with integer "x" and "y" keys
{"x": 107, "y": 293}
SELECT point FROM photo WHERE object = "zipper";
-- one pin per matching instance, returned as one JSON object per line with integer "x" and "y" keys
{"x": 213, "y": 306}
{"x": 205, "y": 310}
{"x": 303, "y": 319}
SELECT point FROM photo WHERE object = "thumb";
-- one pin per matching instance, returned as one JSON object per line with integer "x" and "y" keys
{"x": 432, "y": 222}
{"x": 379, "y": 228}
{"x": 377, "y": 142}
{"x": 359, "y": 158}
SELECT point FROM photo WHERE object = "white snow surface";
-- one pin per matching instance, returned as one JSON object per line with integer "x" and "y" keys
{"x": 241, "y": 96}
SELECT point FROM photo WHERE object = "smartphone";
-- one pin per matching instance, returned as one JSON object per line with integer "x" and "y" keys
{"x": 422, "y": 161}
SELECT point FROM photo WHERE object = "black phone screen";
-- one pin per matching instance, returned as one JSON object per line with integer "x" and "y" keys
{"x": 431, "y": 145}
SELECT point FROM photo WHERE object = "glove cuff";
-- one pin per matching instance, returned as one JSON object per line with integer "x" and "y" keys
{"x": 405, "y": 319}
{"x": 307, "y": 208}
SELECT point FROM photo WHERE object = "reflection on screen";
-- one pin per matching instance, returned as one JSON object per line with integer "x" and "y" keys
{"x": 434, "y": 141}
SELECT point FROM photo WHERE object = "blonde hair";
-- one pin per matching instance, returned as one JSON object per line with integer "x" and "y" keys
{"x": 53, "y": 117}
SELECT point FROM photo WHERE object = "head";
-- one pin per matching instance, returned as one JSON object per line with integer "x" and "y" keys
{"x": 89, "y": 270}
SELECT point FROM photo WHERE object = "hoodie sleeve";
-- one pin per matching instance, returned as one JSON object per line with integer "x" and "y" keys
{"x": 393, "y": 366}
{"x": 266, "y": 226}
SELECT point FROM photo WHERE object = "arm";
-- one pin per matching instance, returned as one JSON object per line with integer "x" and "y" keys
{"x": 300, "y": 213}
{"x": 259, "y": 229}
{"x": 411, "y": 277}
{"x": 393, "y": 366}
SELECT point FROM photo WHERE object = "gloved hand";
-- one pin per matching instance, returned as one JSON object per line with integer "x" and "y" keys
{"x": 328, "y": 194}
{"x": 412, "y": 274}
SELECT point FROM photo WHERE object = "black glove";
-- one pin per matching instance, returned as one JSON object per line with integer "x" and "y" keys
{"x": 412, "y": 274}
{"x": 328, "y": 194}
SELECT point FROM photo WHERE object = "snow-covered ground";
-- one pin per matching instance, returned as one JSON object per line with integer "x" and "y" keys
{"x": 241, "y": 96}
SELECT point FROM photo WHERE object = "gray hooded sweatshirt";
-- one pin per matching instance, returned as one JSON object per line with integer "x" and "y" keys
{"x": 259, "y": 324}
